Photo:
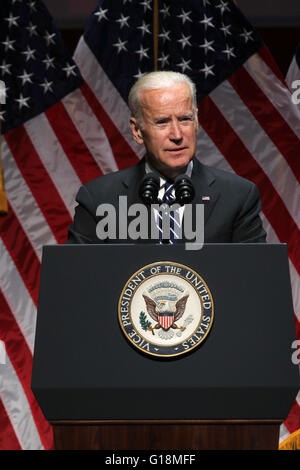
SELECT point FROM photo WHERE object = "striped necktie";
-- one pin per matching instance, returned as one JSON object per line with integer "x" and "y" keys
{"x": 169, "y": 199}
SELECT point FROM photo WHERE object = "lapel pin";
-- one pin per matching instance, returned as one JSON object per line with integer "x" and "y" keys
{"x": 205, "y": 198}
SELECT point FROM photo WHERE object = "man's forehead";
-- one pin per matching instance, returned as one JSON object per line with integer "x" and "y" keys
{"x": 157, "y": 99}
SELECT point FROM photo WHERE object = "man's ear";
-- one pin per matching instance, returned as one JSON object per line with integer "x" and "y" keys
{"x": 136, "y": 131}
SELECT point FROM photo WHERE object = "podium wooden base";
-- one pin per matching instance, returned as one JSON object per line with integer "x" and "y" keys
{"x": 166, "y": 435}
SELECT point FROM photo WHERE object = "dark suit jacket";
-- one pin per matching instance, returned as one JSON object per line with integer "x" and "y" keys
{"x": 231, "y": 215}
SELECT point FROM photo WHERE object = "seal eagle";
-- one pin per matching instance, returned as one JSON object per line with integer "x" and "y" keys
{"x": 158, "y": 311}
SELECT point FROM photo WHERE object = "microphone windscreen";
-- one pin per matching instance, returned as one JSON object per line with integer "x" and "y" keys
{"x": 149, "y": 188}
{"x": 184, "y": 189}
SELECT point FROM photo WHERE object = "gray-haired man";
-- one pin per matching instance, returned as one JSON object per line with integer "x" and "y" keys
{"x": 164, "y": 120}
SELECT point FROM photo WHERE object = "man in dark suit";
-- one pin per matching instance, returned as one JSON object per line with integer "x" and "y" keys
{"x": 164, "y": 119}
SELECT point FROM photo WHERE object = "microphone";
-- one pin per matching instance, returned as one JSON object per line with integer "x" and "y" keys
{"x": 184, "y": 189}
{"x": 149, "y": 188}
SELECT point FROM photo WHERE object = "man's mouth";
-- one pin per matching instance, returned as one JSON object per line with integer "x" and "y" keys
{"x": 177, "y": 149}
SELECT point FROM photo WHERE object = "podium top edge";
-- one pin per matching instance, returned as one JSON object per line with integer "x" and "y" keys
{"x": 165, "y": 421}
{"x": 158, "y": 244}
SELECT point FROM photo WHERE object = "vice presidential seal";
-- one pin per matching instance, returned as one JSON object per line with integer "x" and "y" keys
{"x": 166, "y": 309}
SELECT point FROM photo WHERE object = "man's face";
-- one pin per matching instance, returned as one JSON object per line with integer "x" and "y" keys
{"x": 170, "y": 128}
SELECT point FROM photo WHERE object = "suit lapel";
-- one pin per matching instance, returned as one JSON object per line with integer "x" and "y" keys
{"x": 206, "y": 192}
{"x": 131, "y": 183}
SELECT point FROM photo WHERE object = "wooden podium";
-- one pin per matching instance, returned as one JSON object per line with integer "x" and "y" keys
{"x": 166, "y": 435}
{"x": 100, "y": 392}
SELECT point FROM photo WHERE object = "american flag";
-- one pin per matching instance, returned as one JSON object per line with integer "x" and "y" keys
{"x": 290, "y": 430}
{"x": 65, "y": 122}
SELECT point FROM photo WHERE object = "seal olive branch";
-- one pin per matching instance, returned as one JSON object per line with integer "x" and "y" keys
{"x": 145, "y": 324}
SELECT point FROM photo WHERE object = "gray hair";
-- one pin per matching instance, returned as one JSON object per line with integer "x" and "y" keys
{"x": 155, "y": 81}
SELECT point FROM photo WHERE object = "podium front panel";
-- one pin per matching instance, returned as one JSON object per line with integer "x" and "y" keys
{"x": 86, "y": 369}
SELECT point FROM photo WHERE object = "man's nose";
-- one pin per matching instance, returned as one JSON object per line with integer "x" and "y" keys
{"x": 175, "y": 133}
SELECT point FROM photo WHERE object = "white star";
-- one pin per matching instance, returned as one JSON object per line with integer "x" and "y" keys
{"x": 165, "y": 35}
{"x": 144, "y": 28}
{"x": 139, "y": 74}
{"x": 2, "y": 115}
{"x": 48, "y": 62}
{"x": 142, "y": 52}
{"x": 206, "y": 2}
{"x": 229, "y": 52}
{"x": 226, "y": 29}
{"x": 32, "y": 29}
{"x": 184, "y": 41}
{"x": 46, "y": 85}
{"x": 12, "y": 20}
{"x": 164, "y": 60}
{"x": 22, "y": 101}
{"x": 120, "y": 45}
{"x": 49, "y": 38}
{"x": 207, "y": 70}
{"x": 185, "y": 16}
{"x": 69, "y": 69}
{"x": 146, "y": 5}
{"x": 207, "y": 46}
{"x": 101, "y": 13}
{"x": 207, "y": 22}
{"x": 29, "y": 53}
{"x": 8, "y": 44}
{"x": 32, "y": 6}
{"x": 25, "y": 77}
{"x": 165, "y": 11}
{"x": 5, "y": 68}
{"x": 247, "y": 35}
{"x": 123, "y": 20}
{"x": 184, "y": 65}
{"x": 223, "y": 6}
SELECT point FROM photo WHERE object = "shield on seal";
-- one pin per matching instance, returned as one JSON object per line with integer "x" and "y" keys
{"x": 165, "y": 319}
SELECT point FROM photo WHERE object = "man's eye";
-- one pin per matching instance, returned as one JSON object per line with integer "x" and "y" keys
{"x": 186, "y": 118}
